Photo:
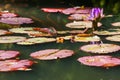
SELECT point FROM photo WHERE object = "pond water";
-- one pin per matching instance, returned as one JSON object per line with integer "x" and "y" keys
{"x": 61, "y": 69}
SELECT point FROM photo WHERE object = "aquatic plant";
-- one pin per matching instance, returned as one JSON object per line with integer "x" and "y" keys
{"x": 95, "y": 16}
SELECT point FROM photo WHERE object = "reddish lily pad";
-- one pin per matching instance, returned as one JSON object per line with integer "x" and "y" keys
{"x": 15, "y": 65}
{"x": 3, "y": 32}
{"x": 100, "y": 61}
{"x": 52, "y": 9}
{"x": 51, "y": 54}
{"x": 16, "y": 20}
{"x": 76, "y": 10}
{"x": 7, "y": 15}
{"x": 8, "y": 54}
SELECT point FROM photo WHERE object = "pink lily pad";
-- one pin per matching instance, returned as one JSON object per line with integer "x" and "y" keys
{"x": 16, "y": 20}
{"x": 100, "y": 61}
{"x": 15, "y": 65}
{"x": 8, "y": 54}
{"x": 50, "y": 54}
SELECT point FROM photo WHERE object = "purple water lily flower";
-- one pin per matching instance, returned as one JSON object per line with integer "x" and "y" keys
{"x": 96, "y": 14}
